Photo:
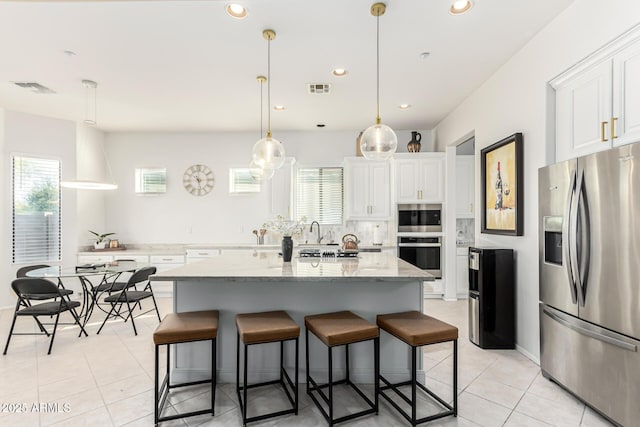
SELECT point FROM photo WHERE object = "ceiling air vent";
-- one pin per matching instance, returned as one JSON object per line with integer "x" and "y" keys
{"x": 318, "y": 88}
{"x": 34, "y": 87}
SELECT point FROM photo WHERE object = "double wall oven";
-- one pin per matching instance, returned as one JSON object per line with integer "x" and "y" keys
{"x": 420, "y": 236}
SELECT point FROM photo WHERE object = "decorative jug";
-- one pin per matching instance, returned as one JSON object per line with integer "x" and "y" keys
{"x": 414, "y": 145}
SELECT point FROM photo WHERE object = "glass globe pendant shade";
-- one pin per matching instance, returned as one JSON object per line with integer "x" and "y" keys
{"x": 378, "y": 142}
{"x": 268, "y": 153}
{"x": 260, "y": 174}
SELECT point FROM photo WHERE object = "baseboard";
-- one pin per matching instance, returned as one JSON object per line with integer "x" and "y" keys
{"x": 360, "y": 376}
{"x": 528, "y": 355}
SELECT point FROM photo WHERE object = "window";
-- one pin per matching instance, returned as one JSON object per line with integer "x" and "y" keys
{"x": 151, "y": 180}
{"x": 241, "y": 181}
{"x": 36, "y": 210}
{"x": 319, "y": 194}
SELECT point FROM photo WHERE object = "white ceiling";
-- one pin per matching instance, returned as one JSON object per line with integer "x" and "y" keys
{"x": 188, "y": 66}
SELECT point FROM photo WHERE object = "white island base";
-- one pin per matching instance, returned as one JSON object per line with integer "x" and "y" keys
{"x": 377, "y": 284}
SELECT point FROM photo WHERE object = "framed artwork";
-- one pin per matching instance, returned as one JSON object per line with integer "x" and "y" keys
{"x": 502, "y": 187}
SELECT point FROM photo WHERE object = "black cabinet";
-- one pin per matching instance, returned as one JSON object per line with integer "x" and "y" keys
{"x": 492, "y": 297}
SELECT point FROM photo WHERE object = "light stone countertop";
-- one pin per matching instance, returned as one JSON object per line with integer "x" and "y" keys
{"x": 182, "y": 249}
{"x": 268, "y": 266}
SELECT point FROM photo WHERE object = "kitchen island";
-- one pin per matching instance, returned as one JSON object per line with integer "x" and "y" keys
{"x": 371, "y": 284}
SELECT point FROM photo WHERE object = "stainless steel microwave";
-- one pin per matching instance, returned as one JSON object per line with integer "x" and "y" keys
{"x": 420, "y": 218}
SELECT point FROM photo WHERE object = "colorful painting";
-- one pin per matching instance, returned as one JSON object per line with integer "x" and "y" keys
{"x": 502, "y": 199}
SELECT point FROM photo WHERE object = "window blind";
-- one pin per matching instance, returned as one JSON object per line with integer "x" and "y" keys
{"x": 320, "y": 194}
{"x": 151, "y": 180}
{"x": 36, "y": 210}
{"x": 241, "y": 181}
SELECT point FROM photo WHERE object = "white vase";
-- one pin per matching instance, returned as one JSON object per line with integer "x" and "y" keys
{"x": 100, "y": 245}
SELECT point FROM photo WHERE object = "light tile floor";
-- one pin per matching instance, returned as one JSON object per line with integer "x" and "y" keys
{"x": 107, "y": 380}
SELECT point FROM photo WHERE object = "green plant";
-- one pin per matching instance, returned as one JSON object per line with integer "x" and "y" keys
{"x": 100, "y": 237}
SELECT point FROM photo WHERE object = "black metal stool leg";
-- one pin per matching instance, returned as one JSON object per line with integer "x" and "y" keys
{"x": 214, "y": 375}
{"x": 376, "y": 373}
{"x": 455, "y": 378}
{"x": 306, "y": 357}
{"x": 330, "y": 386}
{"x": 296, "y": 377}
{"x": 414, "y": 401}
{"x": 155, "y": 390}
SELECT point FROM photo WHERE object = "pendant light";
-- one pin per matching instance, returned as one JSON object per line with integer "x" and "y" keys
{"x": 379, "y": 141}
{"x": 268, "y": 152}
{"x": 259, "y": 174}
{"x": 90, "y": 119}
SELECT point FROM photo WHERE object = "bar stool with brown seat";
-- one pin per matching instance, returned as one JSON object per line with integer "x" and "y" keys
{"x": 334, "y": 330}
{"x": 416, "y": 330}
{"x": 263, "y": 328}
{"x": 178, "y": 328}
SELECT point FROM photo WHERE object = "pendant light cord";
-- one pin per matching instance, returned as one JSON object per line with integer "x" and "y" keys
{"x": 269, "y": 87}
{"x": 261, "y": 105}
{"x": 378, "y": 68}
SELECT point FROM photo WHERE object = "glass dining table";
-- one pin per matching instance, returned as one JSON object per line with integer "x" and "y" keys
{"x": 103, "y": 275}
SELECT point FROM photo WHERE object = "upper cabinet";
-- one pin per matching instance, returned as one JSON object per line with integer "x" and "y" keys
{"x": 598, "y": 100}
{"x": 465, "y": 186}
{"x": 419, "y": 177}
{"x": 367, "y": 189}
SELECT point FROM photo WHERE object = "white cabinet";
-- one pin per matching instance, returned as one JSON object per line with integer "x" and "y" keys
{"x": 194, "y": 255}
{"x": 419, "y": 178}
{"x": 598, "y": 101}
{"x": 465, "y": 186}
{"x": 367, "y": 189}
{"x": 462, "y": 273}
{"x": 280, "y": 202}
{"x": 94, "y": 259}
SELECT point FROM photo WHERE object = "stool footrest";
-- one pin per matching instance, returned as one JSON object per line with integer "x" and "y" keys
{"x": 389, "y": 386}
{"x": 318, "y": 388}
{"x": 185, "y": 415}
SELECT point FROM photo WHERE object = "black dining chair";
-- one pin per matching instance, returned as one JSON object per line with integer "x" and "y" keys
{"x": 22, "y": 272}
{"x": 34, "y": 289}
{"x": 125, "y": 301}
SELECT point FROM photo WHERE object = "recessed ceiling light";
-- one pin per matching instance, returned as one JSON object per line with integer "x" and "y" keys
{"x": 320, "y": 125}
{"x": 460, "y": 6}
{"x": 339, "y": 72}
{"x": 69, "y": 53}
{"x": 236, "y": 10}
{"x": 425, "y": 55}
{"x": 404, "y": 106}
{"x": 278, "y": 107}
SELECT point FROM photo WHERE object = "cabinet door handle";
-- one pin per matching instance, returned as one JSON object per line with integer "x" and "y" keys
{"x": 602, "y": 126}
{"x": 613, "y": 127}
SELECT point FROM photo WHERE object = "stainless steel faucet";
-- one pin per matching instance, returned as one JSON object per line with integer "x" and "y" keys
{"x": 311, "y": 230}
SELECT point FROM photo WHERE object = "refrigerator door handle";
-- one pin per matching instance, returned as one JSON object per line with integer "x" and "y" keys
{"x": 573, "y": 238}
{"x": 580, "y": 237}
{"x": 590, "y": 331}
{"x": 566, "y": 233}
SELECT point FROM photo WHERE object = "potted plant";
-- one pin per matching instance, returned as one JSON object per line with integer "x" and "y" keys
{"x": 287, "y": 229}
{"x": 100, "y": 243}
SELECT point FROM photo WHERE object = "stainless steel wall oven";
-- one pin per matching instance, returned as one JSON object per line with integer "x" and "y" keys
{"x": 423, "y": 252}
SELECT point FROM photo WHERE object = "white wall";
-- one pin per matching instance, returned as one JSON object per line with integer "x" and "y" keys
{"x": 5, "y": 275}
{"x": 90, "y": 164}
{"x": 513, "y": 100}
{"x": 178, "y": 217}
{"x": 38, "y": 136}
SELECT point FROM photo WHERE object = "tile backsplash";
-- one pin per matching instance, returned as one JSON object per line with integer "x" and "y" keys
{"x": 465, "y": 228}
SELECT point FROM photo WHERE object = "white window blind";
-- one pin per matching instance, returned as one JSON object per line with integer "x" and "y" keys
{"x": 319, "y": 194}
{"x": 241, "y": 181}
{"x": 151, "y": 180}
{"x": 36, "y": 210}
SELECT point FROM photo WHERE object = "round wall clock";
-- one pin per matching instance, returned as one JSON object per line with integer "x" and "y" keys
{"x": 198, "y": 180}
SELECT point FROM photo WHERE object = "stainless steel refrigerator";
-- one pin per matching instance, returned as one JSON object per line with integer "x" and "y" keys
{"x": 589, "y": 231}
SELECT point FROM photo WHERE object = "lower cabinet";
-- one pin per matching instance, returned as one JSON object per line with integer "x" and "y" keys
{"x": 462, "y": 273}
{"x": 164, "y": 263}
{"x": 195, "y": 255}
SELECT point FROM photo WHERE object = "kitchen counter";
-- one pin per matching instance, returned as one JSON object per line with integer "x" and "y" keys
{"x": 373, "y": 283}
{"x": 180, "y": 249}
{"x": 268, "y": 267}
